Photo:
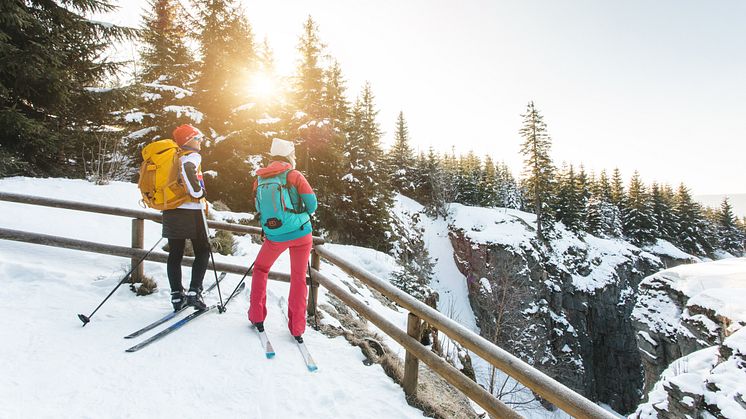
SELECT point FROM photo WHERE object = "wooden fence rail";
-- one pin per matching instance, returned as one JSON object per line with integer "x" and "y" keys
{"x": 543, "y": 385}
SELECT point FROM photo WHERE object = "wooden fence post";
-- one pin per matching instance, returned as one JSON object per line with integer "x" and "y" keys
{"x": 313, "y": 292}
{"x": 138, "y": 242}
{"x": 411, "y": 363}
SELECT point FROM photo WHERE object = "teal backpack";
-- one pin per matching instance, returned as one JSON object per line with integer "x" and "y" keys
{"x": 278, "y": 212}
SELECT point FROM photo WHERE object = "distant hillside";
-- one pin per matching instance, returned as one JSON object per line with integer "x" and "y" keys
{"x": 738, "y": 201}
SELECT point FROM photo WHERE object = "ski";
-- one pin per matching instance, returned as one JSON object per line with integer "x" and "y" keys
{"x": 170, "y": 315}
{"x": 269, "y": 350}
{"x": 310, "y": 363}
{"x": 176, "y": 326}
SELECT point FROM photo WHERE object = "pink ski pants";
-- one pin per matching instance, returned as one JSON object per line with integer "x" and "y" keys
{"x": 300, "y": 249}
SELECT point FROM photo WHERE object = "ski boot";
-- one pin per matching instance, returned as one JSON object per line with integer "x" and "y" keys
{"x": 194, "y": 299}
{"x": 178, "y": 300}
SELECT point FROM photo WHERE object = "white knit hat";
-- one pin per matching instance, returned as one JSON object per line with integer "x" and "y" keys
{"x": 283, "y": 148}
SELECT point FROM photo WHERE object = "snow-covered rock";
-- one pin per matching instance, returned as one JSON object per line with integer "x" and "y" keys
{"x": 686, "y": 310}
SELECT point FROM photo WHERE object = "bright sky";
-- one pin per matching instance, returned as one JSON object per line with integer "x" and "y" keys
{"x": 658, "y": 87}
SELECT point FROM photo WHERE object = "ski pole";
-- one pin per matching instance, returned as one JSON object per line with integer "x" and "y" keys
{"x": 233, "y": 293}
{"x": 221, "y": 306}
{"x": 85, "y": 319}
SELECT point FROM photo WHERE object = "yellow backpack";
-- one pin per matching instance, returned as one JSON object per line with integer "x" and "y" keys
{"x": 160, "y": 176}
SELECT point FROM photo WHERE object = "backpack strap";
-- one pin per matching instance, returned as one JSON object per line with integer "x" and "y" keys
{"x": 285, "y": 185}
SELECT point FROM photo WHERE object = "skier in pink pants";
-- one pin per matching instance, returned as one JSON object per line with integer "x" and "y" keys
{"x": 285, "y": 202}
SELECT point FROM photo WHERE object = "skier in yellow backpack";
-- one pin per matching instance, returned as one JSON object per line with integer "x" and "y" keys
{"x": 186, "y": 222}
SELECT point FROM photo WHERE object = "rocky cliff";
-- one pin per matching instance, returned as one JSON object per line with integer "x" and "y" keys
{"x": 563, "y": 306}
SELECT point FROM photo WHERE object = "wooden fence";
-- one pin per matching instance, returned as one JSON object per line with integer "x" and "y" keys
{"x": 541, "y": 384}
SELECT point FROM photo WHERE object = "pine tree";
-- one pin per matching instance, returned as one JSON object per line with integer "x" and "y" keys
{"x": 584, "y": 184}
{"x": 436, "y": 185}
{"x": 617, "y": 192}
{"x": 508, "y": 193}
{"x": 416, "y": 266}
{"x": 445, "y": 182}
{"x": 229, "y": 61}
{"x": 603, "y": 218}
{"x": 539, "y": 170}
{"x": 689, "y": 215}
{"x": 309, "y": 84}
{"x": 167, "y": 70}
{"x": 731, "y": 238}
{"x": 468, "y": 174}
{"x": 164, "y": 55}
{"x": 664, "y": 218}
{"x": 53, "y": 111}
{"x": 487, "y": 188}
{"x": 400, "y": 160}
{"x": 421, "y": 180}
{"x": 602, "y": 188}
{"x": 324, "y": 141}
{"x": 366, "y": 198}
{"x": 570, "y": 207}
{"x": 638, "y": 220}
{"x": 335, "y": 104}
{"x": 320, "y": 117}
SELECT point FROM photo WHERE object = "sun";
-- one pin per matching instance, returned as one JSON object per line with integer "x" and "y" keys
{"x": 263, "y": 86}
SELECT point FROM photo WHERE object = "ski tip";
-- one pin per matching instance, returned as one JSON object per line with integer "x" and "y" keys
{"x": 130, "y": 350}
{"x": 312, "y": 368}
{"x": 85, "y": 319}
{"x": 129, "y": 336}
{"x": 270, "y": 355}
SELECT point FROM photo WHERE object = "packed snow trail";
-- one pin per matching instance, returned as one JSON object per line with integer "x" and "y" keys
{"x": 52, "y": 367}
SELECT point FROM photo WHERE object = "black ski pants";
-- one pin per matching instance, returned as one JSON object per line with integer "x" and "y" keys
{"x": 199, "y": 267}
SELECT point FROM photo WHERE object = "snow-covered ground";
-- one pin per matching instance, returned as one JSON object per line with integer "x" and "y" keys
{"x": 213, "y": 367}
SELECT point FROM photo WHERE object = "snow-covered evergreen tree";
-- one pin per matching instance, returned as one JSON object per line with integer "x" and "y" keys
{"x": 229, "y": 59}
{"x": 508, "y": 193}
{"x": 602, "y": 218}
{"x": 487, "y": 188}
{"x": 468, "y": 174}
{"x": 731, "y": 238}
{"x": 366, "y": 197}
{"x": 164, "y": 82}
{"x": 617, "y": 192}
{"x": 662, "y": 201}
{"x": 569, "y": 202}
{"x": 412, "y": 255}
{"x": 637, "y": 216}
{"x": 320, "y": 119}
{"x": 538, "y": 170}
{"x": 400, "y": 160}
{"x": 690, "y": 236}
{"x": 223, "y": 94}
{"x": 54, "y": 108}
{"x": 602, "y": 187}
{"x": 584, "y": 185}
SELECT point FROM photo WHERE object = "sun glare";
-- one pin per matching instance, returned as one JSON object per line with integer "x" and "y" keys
{"x": 262, "y": 86}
